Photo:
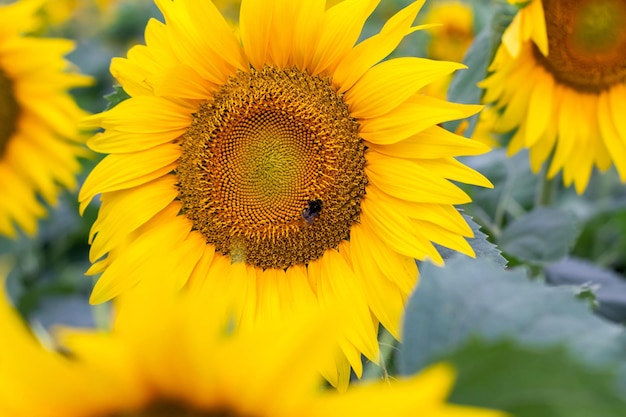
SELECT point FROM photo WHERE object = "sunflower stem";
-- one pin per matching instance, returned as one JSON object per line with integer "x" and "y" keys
{"x": 545, "y": 189}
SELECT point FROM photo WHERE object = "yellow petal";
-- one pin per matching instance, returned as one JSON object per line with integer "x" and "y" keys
{"x": 537, "y": 20}
{"x": 219, "y": 36}
{"x": 434, "y": 142}
{"x": 397, "y": 230}
{"x": 390, "y": 83}
{"x": 182, "y": 81}
{"x": 118, "y": 172}
{"x": 540, "y": 111}
{"x": 617, "y": 108}
{"x": 113, "y": 141}
{"x": 384, "y": 298}
{"x": 146, "y": 259}
{"x": 614, "y": 142}
{"x": 413, "y": 116}
{"x": 373, "y": 50}
{"x": 511, "y": 38}
{"x": 340, "y": 30}
{"x": 118, "y": 215}
{"x": 308, "y": 30}
{"x": 410, "y": 181}
{"x": 399, "y": 269}
{"x": 333, "y": 292}
{"x": 568, "y": 131}
{"x": 454, "y": 170}
{"x": 144, "y": 114}
{"x": 200, "y": 50}
{"x": 255, "y": 24}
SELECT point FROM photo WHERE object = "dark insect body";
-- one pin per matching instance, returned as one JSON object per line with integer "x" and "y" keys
{"x": 310, "y": 213}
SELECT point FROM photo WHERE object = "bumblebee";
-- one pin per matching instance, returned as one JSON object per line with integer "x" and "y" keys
{"x": 312, "y": 211}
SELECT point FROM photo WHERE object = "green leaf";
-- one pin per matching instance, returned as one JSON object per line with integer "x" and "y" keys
{"x": 514, "y": 188}
{"x": 482, "y": 247}
{"x": 463, "y": 88}
{"x": 609, "y": 288}
{"x": 532, "y": 382}
{"x": 469, "y": 298}
{"x": 541, "y": 236}
{"x": 116, "y": 97}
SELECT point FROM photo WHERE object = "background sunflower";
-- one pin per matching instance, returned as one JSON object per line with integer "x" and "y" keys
{"x": 558, "y": 80}
{"x": 39, "y": 138}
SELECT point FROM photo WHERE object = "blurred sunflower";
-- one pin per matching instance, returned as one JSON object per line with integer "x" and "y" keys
{"x": 284, "y": 166}
{"x": 483, "y": 131}
{"x": 455, "y": 33}
{"x": 178, "y": 358}
{"x": 57, "y": 12}
{"x": 559, "y": 76}
{"x": 449, "y": 39}
{"x": 39, "y": 140}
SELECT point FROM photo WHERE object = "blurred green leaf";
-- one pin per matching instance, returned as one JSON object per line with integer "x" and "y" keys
{"x": 513, "y": 193}
{"x": 464, "y": 88}
{"x": 482, "y": 247}
{"x": 532, "y": 382}
{"x": 469, "y": 298}
{"x": 608, "y": 287}
{"x": 543, "y": 235}
{"x": 116, "y": 97}
{"x": 603, "y": 235}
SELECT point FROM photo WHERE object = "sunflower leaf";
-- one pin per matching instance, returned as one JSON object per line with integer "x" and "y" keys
{"x": 541, "y": 236}
{"x": 482, "y": 247}
{"x": 608, "y": 287}
{"x": 116, "y": 97}
{"x": 532, "y": 382}
{"x": 463, "y": 88}
{"x": 469, "y": 298}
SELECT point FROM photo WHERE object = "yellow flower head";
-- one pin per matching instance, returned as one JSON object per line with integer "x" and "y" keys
{"x": 450, "y": 38}
{"x": 455, "y": 34}
{"x": 178, "y": 357}
{"x": 39, "y": 140}
{"x": 285, "y": 166}
{"x": 560, "y": 77}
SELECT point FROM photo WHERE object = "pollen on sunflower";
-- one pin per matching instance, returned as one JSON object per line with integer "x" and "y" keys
{"x": 558, "y": 81}
{"x": 282, "y": 165}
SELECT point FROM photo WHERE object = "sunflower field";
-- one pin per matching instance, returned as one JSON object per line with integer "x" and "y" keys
{"x": 307, "y": 208}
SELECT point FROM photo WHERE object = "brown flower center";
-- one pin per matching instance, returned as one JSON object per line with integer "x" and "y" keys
{"x": 586, "y": 43}
{"x": 272, "y": 168}
{"x": 9, "y": 112}
{"x": 169, "y": 409}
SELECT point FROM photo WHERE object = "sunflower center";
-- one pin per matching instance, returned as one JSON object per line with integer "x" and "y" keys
{"x": 9, "y": 112}
{"x": 586, "y": 43}
{"x": 272, "y": 168}
{"x": 169, "y": 409}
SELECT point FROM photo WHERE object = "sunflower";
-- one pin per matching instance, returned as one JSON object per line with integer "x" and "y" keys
{"x": 559, "y": 77}
{"x": 455, "y": 33}
{"x": 282, "y": 166}
{"x": 179, "y": 357}
{"x": 449, "y": 39}
{"x": 483, "y": 131}
{"x": 39, "y": 140}
{"x": 58, "y": 12}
